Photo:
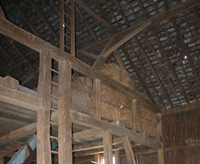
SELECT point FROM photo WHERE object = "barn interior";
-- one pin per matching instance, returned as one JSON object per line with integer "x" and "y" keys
{"x": 100, "y": 81}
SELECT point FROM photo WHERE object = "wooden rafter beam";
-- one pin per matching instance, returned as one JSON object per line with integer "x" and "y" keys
{"x": 38, "y": 44}
{"x": 18, "y": 51}
{"x": 186, "y": 108}
{"x": 89, "y": 121}
{"x": 26, "y": 19}
{"x": 121, "y": 39}
{"x": 181, "y": 39}
{"x": 93, "y": 14}
{"x": 8, "y": 57}
{"x": 20, "y": 99}
{"x": 154, "y": 72}
{"x": 44, "y": 20}
{"x": 168, "y": 13}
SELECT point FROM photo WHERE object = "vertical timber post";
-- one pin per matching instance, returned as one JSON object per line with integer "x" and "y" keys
{"x": 161, "y": 157}
{"x": 107, "y": 146}
{"x": 117, "y": 160}
{"x": 134, "y": 111}
{"x": 129, "y": 151}
{"x": 62, "y": 25}
{"x": 43, "y": 115}
{"x": 97, "y": 100}
{"x": 64, "y": 119}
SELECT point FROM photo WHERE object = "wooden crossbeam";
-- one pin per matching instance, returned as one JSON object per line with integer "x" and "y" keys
{"x": 38, "y": 44}
{"x": 167, "y": 13}
{"x": 92, "y": 13}
{"x": 26, "y": 19}
{"x": 89, "y": 121}
{"x": 44, "y": 20}
{"x": 121, "y": 39}
{"x": 20, "y": 99}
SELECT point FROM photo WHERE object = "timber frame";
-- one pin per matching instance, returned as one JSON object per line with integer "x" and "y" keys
{"x": 56, "y": 110}
{"x": 41, "y": 103}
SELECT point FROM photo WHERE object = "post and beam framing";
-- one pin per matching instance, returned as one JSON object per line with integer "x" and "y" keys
{"x": 48, "y": 52}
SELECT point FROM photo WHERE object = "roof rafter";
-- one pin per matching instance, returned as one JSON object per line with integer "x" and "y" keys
{"x": 168, "y": 13}
{"x": 28, "y": 22}
{"x": 154, "y": 72}
{"x": 121, "y": 39}
{"x": 186, "y": 50}
{"x": 92, "y": 13}
{"x": 44, "y": 20}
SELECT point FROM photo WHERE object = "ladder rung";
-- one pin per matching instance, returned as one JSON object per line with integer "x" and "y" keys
{"x": 67, "y": 15}
{"x": 54, "y": 97}
{"x": 54, "y": 152}
{"x": 53, "y": 109}
{"x": 53, "y": 123}
{"x": 53, "y": 137}
{"x": 54, "y": 83}
{"x": 68, "y": 47}
{"x": 55, "y": 71}
{"x": 67, "y": 4}
{"x": 67, "y": 36}
{"x": 67, "y": 25}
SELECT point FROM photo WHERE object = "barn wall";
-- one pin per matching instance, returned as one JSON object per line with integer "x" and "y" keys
{"x": 182, "y": 138}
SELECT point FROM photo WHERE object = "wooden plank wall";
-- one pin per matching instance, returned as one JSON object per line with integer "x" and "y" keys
{"x": 181, "y": 139}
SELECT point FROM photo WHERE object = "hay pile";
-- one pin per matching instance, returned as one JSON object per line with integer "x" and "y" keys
{"x": 146, "y": 121}
{"x": 114, "y": 105}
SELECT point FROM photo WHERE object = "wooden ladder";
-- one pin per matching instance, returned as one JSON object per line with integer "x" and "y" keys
{"x": 55, "y": 89}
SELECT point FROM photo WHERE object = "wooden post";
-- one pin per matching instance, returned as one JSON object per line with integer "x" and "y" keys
{"x": 64, "y": 120}
{"x": 107, "y": 145}
{"x": 62, "y": 26}
{"x": 97, "y": 98}
{"x": 161, "y": 157}
{"x": 43, "y": 115}
{"x": 96, "y": 158}
{"x": 117, "y": 161}
{"x": 129, "y": 151}
{"x": 2, "y": 161}
{"x": 73, "y": 28}
{"x": 134, "y": 110}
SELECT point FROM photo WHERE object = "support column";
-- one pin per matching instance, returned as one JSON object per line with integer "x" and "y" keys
{"x": 97, "y": 113}
{"x": 161, "y": 157}
{"x": 64, "y": 119}
{"x": 117, "y": 160}
{"x": 43, "y": 115}
{"x": 129, "y": 151}
{"x": 2, "y": 161}
{"x": 107, "y": 146}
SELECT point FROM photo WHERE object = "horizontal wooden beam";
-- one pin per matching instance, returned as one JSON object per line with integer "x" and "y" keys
{"x": 186, "y": 108}
{"x": 21, "y": 99}
{"x": 18, "y": 134}
{"x": 37, "y": 44}
{"x": 166, "y": 14}
{"x": 120, "y": 39}
{"x": 89, "y": 121}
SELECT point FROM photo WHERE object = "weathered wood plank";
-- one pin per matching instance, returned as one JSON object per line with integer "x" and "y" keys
{"x": 64, "y": 108}
{"x": 18, "y": 134}
{"x": 21, "y": 99}
{"x": 107, "y": 146}
{"x": 43, "y": 115}
{"x": 38, "y": 44}
{"x": 161, "y": 157}
{"x": 89, "y": 121}
{"x": 129, "y": 151}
